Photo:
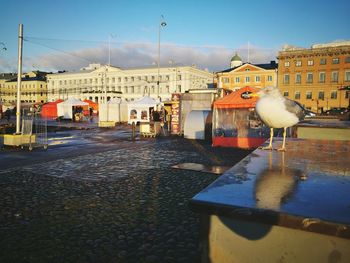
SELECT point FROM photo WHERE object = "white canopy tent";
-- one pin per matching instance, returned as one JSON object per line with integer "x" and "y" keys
{"x": 116, "y": 110}
{"x": 139, "y": 110}
{"x": 65, "y": 108}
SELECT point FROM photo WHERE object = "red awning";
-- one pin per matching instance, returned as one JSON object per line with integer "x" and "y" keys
{"x": 237, "y": 99}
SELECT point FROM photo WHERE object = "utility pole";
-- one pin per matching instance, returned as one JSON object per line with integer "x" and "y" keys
{"x": 19, "y": 78}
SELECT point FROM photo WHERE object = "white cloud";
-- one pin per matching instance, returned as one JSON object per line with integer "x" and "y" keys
{"x": 131, "y": 54}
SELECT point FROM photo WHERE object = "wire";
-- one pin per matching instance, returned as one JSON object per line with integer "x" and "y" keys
{"x": 59, "y": 50}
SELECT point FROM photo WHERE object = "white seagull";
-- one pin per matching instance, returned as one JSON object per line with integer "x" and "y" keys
{"x": 277, "y": 112}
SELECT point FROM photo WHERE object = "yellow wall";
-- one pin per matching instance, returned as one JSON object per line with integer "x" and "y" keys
{"x": 315, "y": 55}
{"x": 228, "y": 79}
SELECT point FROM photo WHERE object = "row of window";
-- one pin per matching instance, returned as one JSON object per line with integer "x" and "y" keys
{"x": 119, "y": 79}
{"x": 24, "y": 86}
{"x": 246, "y": 79}
{"x": 22, "y": 94}
{"x": 310, "y": 62}
{"x": 321, "y": 95}
{"x": 125, "y": 89}
{"x": 321, "y": 77}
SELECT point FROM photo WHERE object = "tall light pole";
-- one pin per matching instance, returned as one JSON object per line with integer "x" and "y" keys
{"x": 161, "y": 24}
{"x": 19, "y": 78}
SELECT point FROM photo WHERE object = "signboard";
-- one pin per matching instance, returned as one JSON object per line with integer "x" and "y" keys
{"x": 175, "y": 113}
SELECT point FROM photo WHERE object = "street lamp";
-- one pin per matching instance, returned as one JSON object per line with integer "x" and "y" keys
{"x": 161, "y": 24}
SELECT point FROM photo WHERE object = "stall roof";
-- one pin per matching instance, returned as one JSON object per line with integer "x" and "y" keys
{"x": 236, "y": 100}
{"x": 144, "y": 102}
{"x": 73, "y": 102}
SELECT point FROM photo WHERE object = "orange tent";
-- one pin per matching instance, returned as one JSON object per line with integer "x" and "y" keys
{"x": 235, "y": 123}
{"x": 49, "y": 110}
{"x": 92, "y": 105}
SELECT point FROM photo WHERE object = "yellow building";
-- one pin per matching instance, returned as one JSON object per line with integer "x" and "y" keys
{"x": 33, "y": 88}
{"x": 314, "y": 76}
{"x": 246, "y": 74}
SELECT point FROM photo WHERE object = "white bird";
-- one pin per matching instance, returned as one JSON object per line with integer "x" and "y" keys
{"x": 277, "y": 112}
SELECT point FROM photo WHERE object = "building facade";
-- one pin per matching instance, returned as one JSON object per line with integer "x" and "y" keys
{"x": 315, "y": 76}
{"x": 33, "y": 88}
{"x": 245, "y": 74}
{"x": 99, "y": 83}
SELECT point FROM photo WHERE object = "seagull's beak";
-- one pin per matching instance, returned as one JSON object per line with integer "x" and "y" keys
{"x": 254, "y": 94}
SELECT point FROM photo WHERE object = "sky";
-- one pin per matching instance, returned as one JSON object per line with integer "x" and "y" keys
{"x": 69, "y": 35}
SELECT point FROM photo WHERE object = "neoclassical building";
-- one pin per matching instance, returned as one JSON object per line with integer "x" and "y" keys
{"x": 98, "y": 82}
{"x": 317, "y": 76}
{"x": 242, "y": 74}
{"x": 33, "y": 87}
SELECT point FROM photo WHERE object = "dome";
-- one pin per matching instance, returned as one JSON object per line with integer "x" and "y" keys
{"x": 236, "y": 61}
{"x": 236, "y": 58}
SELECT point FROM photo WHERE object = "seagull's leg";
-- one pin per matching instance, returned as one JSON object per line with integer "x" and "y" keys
{"x": 283, "y": 148}
{"x": 270, "y": 144}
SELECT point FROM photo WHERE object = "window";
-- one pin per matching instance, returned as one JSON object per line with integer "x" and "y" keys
{"x": 309, "y": 77}
{"x": 247, "y": 79}
{"x": 225, "y": 80}
{"x": 335, "y": 61}
{"x": 322, "y": 77}
{"x": 269, "y": 78}
{"x": 335, "y": 76}
{"x": 347, "y": 60}
{"x": 298, "y": 63}
{"x": 247, "y": 69}
{"x": 333, "y": 94}
{"x": 297, "y": 95}
{"x": 257, "y": 78}
{"x": 298, "y": 78}
{"x": 286, "y": 63}
{"x": 347, "y": 76}
{"x": 323, "y": 61}
{"x": 321, "y": 95}
{"x": 286, "y": 79}
{"x": 310, "y": 62}
{"x": 238, "y": 79}
{"x": 309, "y": 95}
{"x": 285, "y": 93}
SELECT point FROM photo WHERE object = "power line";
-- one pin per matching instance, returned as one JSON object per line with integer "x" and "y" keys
{"x": 59, "y": 50}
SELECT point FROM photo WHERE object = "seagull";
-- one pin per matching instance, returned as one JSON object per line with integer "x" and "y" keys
{"x": 277, "y": 111}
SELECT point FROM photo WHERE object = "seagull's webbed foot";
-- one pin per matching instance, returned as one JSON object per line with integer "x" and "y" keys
{"x": 282, "y": 149}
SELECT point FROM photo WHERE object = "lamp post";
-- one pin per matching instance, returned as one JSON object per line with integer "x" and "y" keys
{"x": 161, "y": 24}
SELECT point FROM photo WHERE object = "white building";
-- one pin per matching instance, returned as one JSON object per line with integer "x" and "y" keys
{"x": 98, "y": 82}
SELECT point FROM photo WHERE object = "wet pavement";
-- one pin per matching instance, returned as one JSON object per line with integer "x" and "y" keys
{"x": 97, "y": 196}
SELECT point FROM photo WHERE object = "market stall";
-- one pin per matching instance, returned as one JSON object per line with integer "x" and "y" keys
{"x": 92, "y": 105}
{"x": 235, "y": 122}
{"x": 49, "y": 110}
{"x": 145, "y": 112}
{"x": 71, "y": 109}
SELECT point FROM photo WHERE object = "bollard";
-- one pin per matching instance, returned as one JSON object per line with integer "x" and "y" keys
{"x": 133, "y": 127}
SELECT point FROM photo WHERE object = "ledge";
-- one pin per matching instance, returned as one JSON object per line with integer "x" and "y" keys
{"x": 305, "y": 188}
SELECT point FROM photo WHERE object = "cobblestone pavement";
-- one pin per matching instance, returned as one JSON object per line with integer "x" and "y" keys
{"x": 116, "y": 204}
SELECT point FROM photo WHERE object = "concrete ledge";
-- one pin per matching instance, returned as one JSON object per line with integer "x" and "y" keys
{"x": 106, "y": 124}
{"x": 18, "y": 139}
{"x": 296, "y": 202}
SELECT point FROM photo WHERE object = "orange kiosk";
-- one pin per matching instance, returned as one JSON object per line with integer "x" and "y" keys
{"x": 235, "y": 122}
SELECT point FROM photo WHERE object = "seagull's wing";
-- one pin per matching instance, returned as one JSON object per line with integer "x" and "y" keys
{"x": 295, "y": 108}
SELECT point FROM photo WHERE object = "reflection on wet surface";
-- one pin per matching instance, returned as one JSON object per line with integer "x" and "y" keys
{"x": 311, "y": 179}
{"x": 201, "y": 168}
{"x": 275, "y": 184}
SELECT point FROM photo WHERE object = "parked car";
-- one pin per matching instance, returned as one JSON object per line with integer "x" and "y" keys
{"x": 335, "y": 111}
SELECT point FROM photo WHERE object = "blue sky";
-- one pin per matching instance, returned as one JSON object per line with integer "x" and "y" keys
{"x": 205, "y": 33}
